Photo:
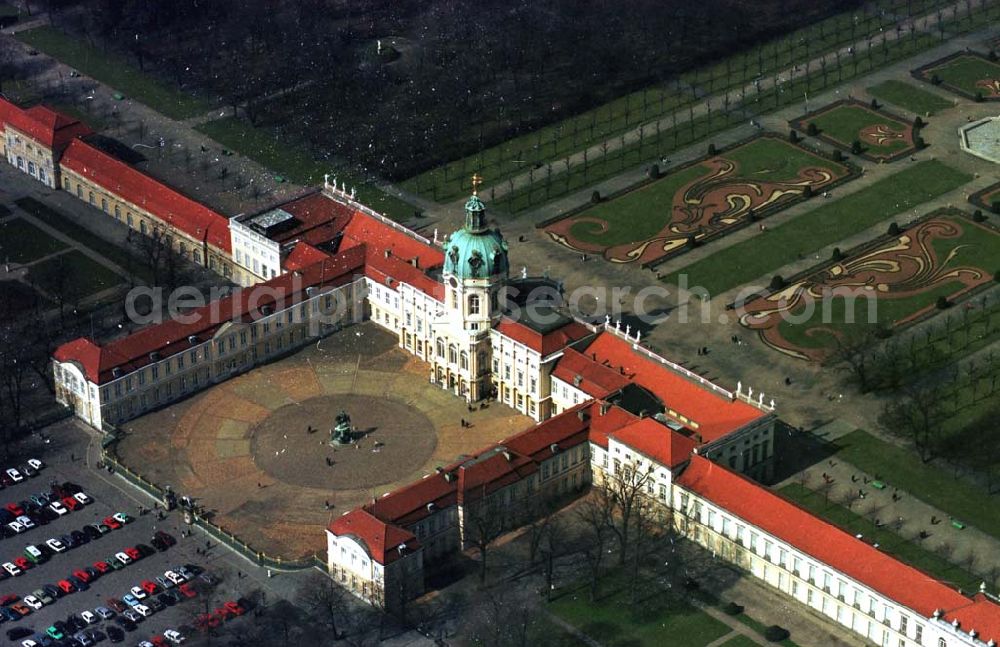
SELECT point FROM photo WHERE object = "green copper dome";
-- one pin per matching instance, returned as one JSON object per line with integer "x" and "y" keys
{"x": 475, "y": 251}
{"x": 469, "y": 255}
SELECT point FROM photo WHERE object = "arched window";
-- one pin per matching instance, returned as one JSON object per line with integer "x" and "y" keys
{"x": 142, "y": 226}
{"x": 942, "y": 643}
{"x": 452, "y": 354}
{"x": 196, "y": 257}
{"x": 440, "y": 348}
{"x": 104, "y": 205}
{"x": 91, "y": 197}
{"x": 465, "y": 361}
{"x": 473, "y": 304}
{"x": 118, "y": 212}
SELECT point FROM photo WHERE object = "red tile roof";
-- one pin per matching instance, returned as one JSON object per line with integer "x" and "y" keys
{"x": 408, "y": 504}
{"x": 596, "y": 379}
{"x": 301, "y": 256}
{"x": 383, "y": 540}
{"x": 164, "y": 202}
{"x": 543, "y": 343}
{"x": 319, "y": 218}
{"x": 982, "y": 614}
{"x": 43, "y": 124}
{"x": 401, "y": 244}
{"x": 715, "y": 415}
{"x": 171, "y": 337}
{"x": 656, "y": 441}
{"x": 602, "y": 425}
{"x": 823, "y": 541}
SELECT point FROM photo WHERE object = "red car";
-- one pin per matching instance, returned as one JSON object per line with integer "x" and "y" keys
{"x": 15, "y": 509}
{"x": 116, "y": 604}
{"x": 9, "y": 599}
{"x": 166, "y": 537}
{"x": 23, "y": 563}
{"x": 71, "y": 503}
{"x": 133, "y": 553}
{"x": 103, "y": 567}
{"x": 186, "y": 590}
{"x": 21, "y": 608}
{"x": 112, "y": 523}
{"x": 235, "y": 608}
{"x": 66, "y": 586}
{"x": 82, "y": 575}
{"x": 149, "y": 587}
{"x": 158, "y": 641}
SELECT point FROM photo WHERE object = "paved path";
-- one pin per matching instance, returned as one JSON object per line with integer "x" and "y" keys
{"x": 613, "y": 144}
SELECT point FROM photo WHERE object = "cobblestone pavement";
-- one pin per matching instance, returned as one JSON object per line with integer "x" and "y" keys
{"x": 207, "y": 446}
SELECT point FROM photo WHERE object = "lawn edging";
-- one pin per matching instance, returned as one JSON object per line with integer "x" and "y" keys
{"x": 801, "y": 123}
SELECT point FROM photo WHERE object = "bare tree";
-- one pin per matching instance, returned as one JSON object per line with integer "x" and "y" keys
{"x": 917, "y": 416}
{"x": 485, "y": 520}
{"x": 627, "y": 489}
{"x": 851, "y": 354}
{"x": 503, "y": 617}
{"x": 596, "y": 513}
{"x": 327, "y": 602}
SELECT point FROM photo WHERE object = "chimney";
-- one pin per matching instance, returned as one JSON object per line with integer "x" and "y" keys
{"x": 415, "y": 262}
{"x": 554, "y": 448}
{"x": 604, "y": 408}
{"x": 430, "y": 507}
{"x": 388, "y": 253}
{"x": 582, "y": 415}
{"x": 577, "y": 380}
{"x": 508, "y": 455}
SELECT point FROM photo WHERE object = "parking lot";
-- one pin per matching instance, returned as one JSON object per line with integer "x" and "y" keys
{"x": 66, "y": 460}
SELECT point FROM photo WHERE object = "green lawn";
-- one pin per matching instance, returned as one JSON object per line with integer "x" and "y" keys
{"x": 659, "y": 619}
{"x": 85, "y": 237}
{"x": 78, "y": 275}
{"x": 740, "y": 641}
{"x": 902, "y": 468}
{"x": 22, "y": 242}
{"x": 888, "y": 541}
{"x": 766, "y": 253}
{"x": 639, "y": 215}
{"x": 909, "y": 97}
{"x": 964, "y": 71}
{"x": 845, "y": 122}
{"x": 272, "y": 151}
{"x": 115, "y": 71}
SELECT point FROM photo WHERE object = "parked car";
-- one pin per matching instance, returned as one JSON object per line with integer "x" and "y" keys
{"x": 174, "y": 577}
{"x": 42, "y": 595}
{"x": 71, "y": 503}
{"x": 33, "y": 553}
{"x": 164, "y": 582}
{"x": 33, "y": 602}
{"x": 132, "y": 615}
{"x": 133, "y": 553}
{"x": 103, "y": 567}
{"x": 166, "y": 599}
{"x": 115, "y": 635}
{"x": 122, "y": 518}
{"x": 66, "y": 586}
{"x": 58, "y": 508}
{"x": 130, "y": 599}
{"x": 137, "y": 592}
{"x": 27, "y": 470}
{"x": 165, "y": 536}
{"x": 105, "y": 613}
{"x": 14, "y": 475}
{"x": 37, "y": 464}
{"x": 117, "y": 605}
{"x": 85, "y": 499}
{"x": 11, "y": 568}
{"x": 56, "y": 545}
{"x": 143, "y": 610}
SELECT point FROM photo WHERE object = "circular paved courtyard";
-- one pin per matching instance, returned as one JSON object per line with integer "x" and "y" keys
{"x": 227, "y": 446}
{"x": 292, "y": 444}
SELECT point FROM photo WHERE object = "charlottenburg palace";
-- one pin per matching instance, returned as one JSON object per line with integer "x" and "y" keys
{"x": 603, "y": 403}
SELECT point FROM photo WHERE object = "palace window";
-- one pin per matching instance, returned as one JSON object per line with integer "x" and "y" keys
{"x": 118, "y": 212}
{"x": 465, "y": 360}
{"x": 104, "y": 205}
{"x": 473, "y": 304}
{"x": 440, "y": 348}
{"x": 90, "y": 196}
{"x": 452, "y": 354}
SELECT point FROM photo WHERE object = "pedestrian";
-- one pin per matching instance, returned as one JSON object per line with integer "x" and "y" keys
{"x": 259, "y": 485}
{"x": 788, "y": 381}
{"x": 72, "y": 457}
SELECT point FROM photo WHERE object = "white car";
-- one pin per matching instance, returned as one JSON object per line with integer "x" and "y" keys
{"x": 143, "y": 610}
{"x": 33, "y": 602}
{"x": 145, "y": 643}
{"x": 174, "y": 577}
{"x": 83, "y": 498}
{"x": 137, "y": 592}
{"x": 123, "y": 558}
{"x": 28, "y": 643}
{"x": 174, "y": 636}
{"x": 26, "y": 522}
{"x": 58, "y": 508}
{"x": 16, "y": 526}
{"x": 89, "y": 617}
{"x": 37, "y": 464}
{"x": 14, "y": 475}
{"x": 56, "y": 545}
{"x": 121, "y": 518}
{"x": 11, "y": 568}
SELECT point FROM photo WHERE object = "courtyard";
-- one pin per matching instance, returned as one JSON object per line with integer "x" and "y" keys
{"x": 254, "y": 450}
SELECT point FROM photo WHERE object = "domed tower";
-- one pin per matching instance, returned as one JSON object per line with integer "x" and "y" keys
{"x": 475, "y": 272}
